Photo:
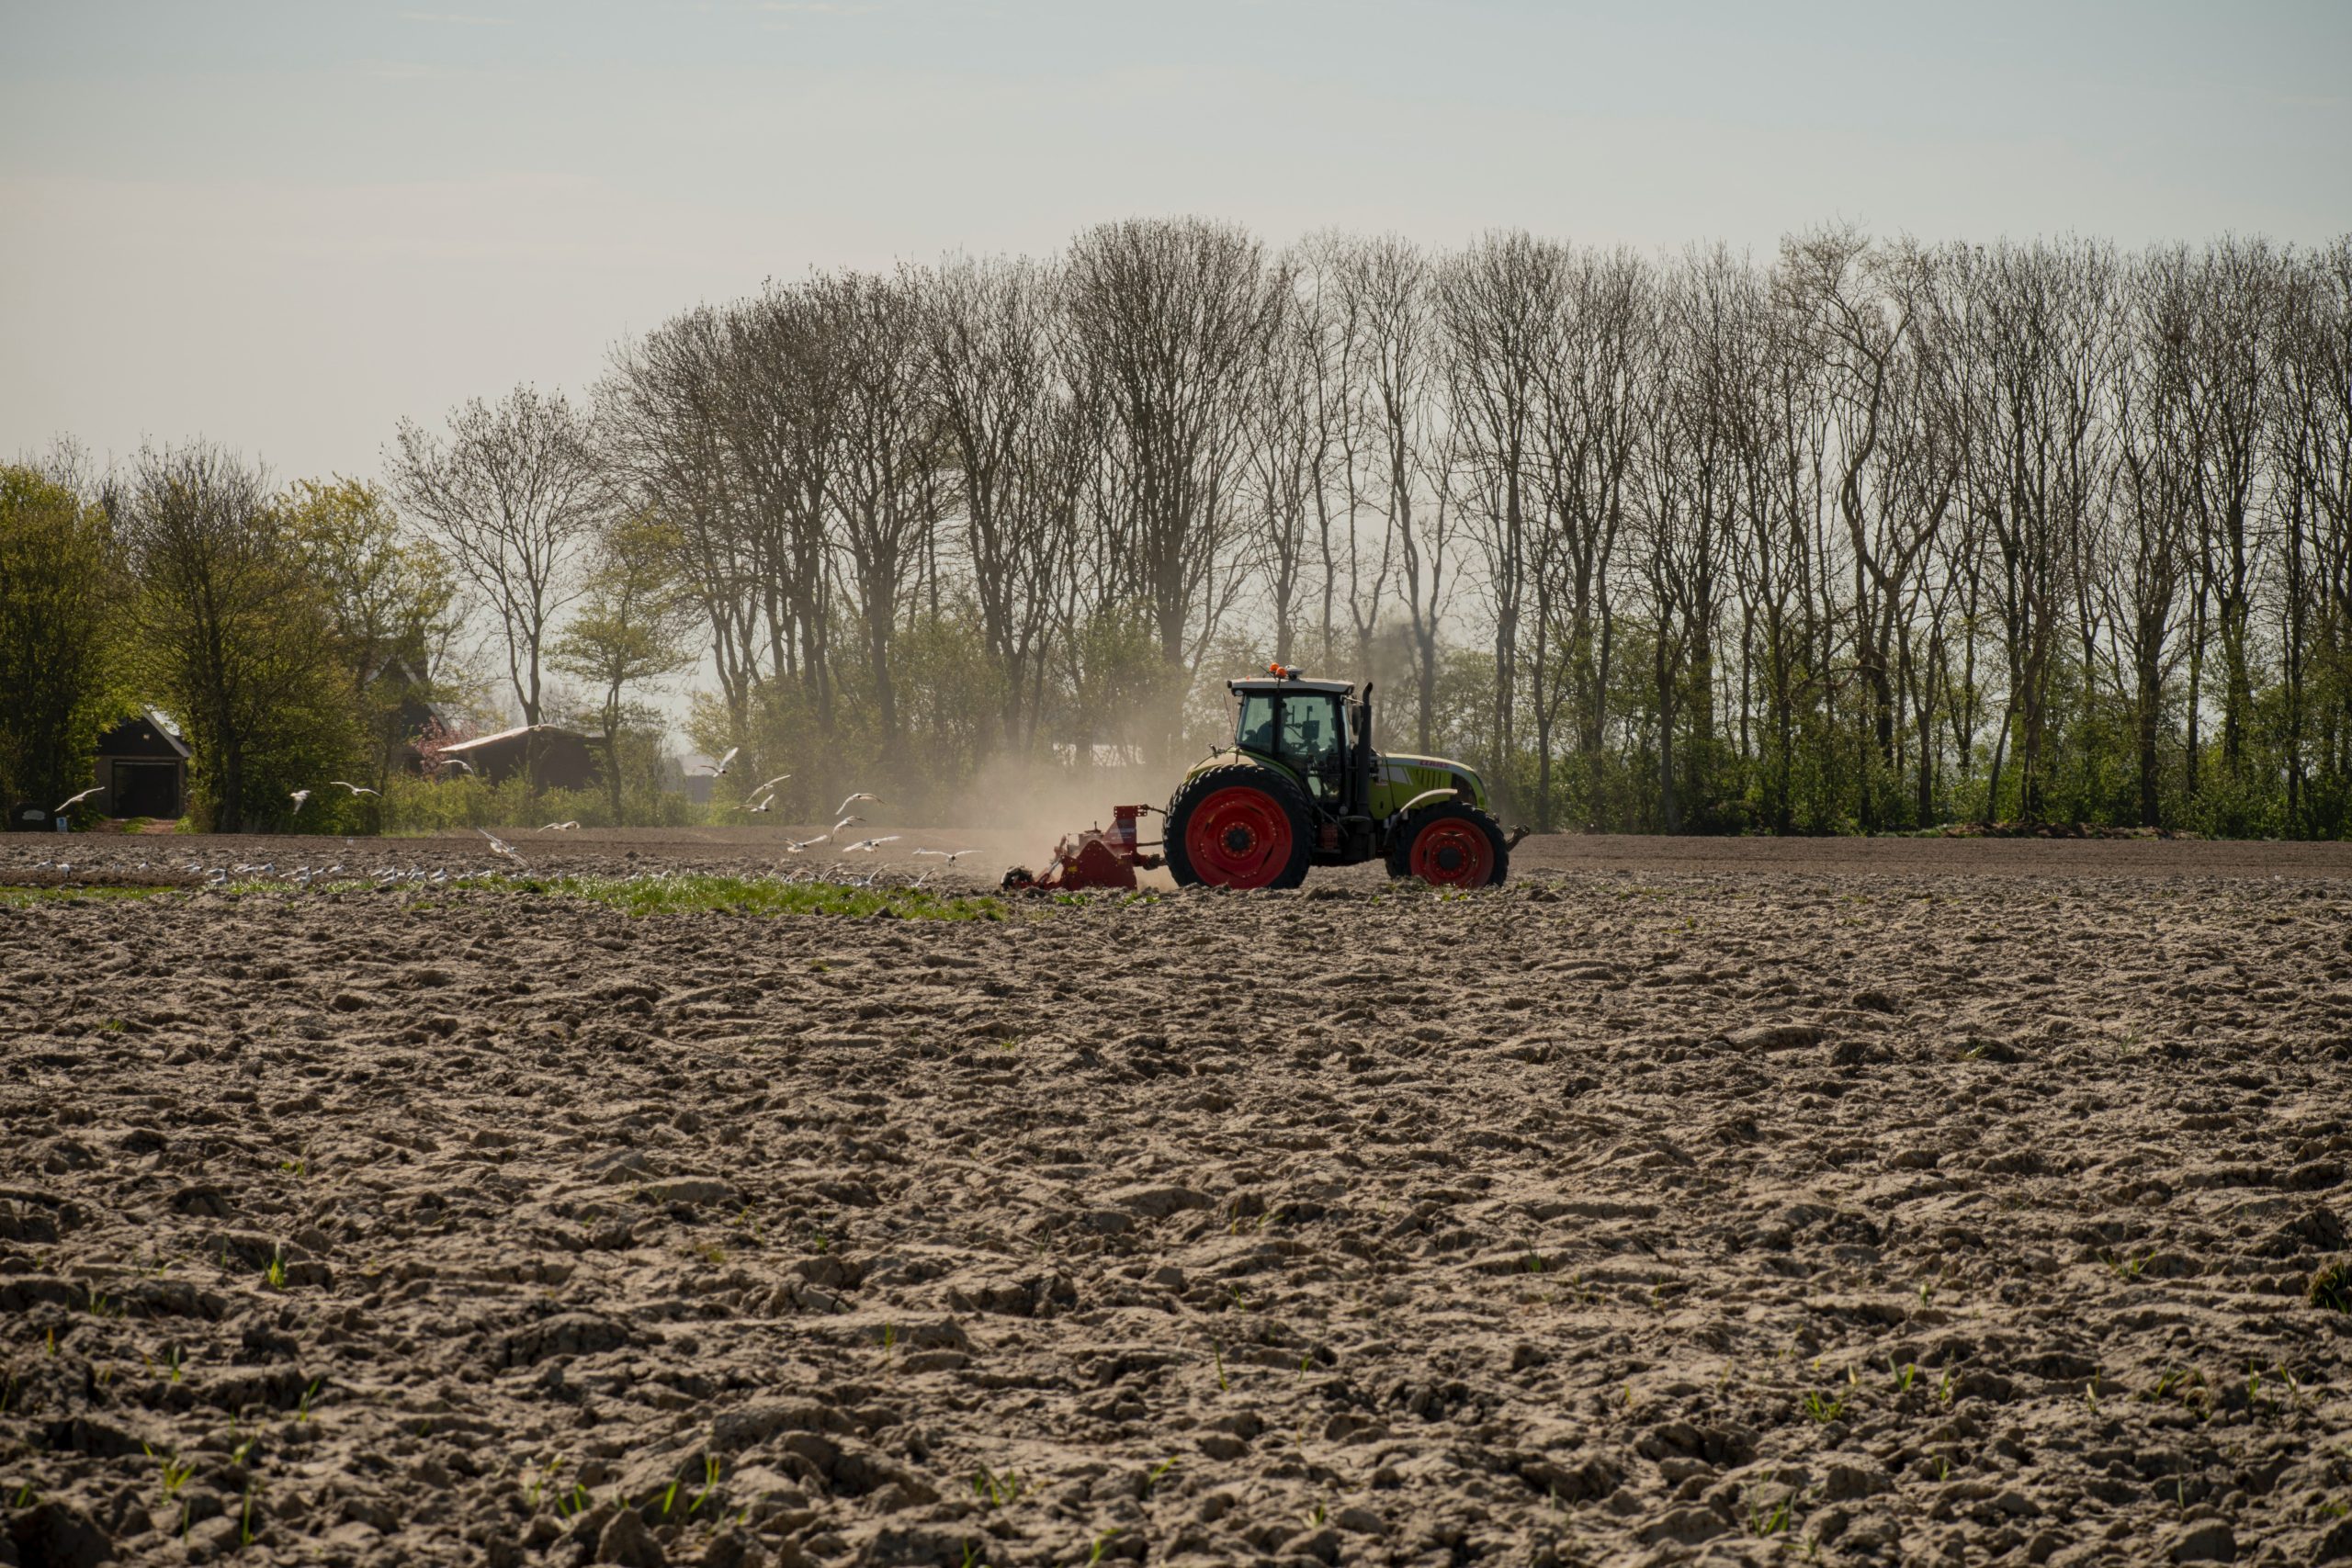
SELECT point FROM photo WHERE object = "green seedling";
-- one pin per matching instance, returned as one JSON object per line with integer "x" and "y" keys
{"x": 998, "y": 1491}
{"x": 1944, "y": 1389}
{"x": 1218, "y": 1352}
{"x": 1101, "y": 1545}
{"x": 1820, "y": 1411}
{"x": 1152, "y": 1477}
{"x": 710, "y": 1482}
{"x": 1903, "y": 1374}
{"x": 276, "y": 1273}
{"x": 1768, "y": 1524}
{"x": 302, "y": 1411}
{"x": 541, "y": 1476}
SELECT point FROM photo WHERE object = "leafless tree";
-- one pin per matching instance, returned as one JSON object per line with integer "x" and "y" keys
{"x": 994, "y": 331}
{"x": 1500, "y": 303}
{"x": 1170, "y": 319}
{"x": 514, "y": 493}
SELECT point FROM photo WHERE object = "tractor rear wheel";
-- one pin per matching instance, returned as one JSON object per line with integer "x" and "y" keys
{"x": 1238, "y": 826}
{"x": 1451, "y": 845}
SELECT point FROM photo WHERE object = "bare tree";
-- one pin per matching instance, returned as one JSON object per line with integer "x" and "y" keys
{"x": 884, "y": 481}
{"x": 1500, "y": 303}
{"x": 514, "y": 493}
{"x": 1013, "y": 435}
{"x": 1170, "y": 321}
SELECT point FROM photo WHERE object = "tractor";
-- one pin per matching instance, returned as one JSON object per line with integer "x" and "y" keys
{"x": 1301, "y": 785}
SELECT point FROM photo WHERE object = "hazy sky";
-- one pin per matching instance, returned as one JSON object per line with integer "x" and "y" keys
{"x": 284, "y": 226}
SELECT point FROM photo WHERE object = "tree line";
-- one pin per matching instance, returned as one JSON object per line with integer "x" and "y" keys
{"x": 1869, "y": 534}
{"x": 1866, "y": 535}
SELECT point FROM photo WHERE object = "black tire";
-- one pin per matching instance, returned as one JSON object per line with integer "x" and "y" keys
{"x": 1285, "y": 798}
{"x": 1400, "y": 843}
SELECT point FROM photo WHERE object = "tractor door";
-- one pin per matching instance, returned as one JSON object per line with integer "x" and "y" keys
{"x": 1311, "y": 737}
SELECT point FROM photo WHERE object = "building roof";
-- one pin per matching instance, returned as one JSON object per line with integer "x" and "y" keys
{"x": 1267, "y": 683}
{"x": 152, "y": 734}
{"x": 517, "y": 733}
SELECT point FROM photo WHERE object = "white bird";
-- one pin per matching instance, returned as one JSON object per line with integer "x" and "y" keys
{"x": 498, "y": 846}
{"x": 555, "y": 827}
{"x": 861, "y": 794}
{"x": 799, "y": 844}
{"x": 458, "y": 762}
{"x": 844, "y": 823}
{"x": 355, "y": 789}
{"x": 81, "y": 798}
{"x": 299, "y": 796}
{"x": 768, "y": 804}
{"x": 868, "y": 845}
{"x": 771, "y": 784}
{"x": 714, "y": 770}
{"x": 950, "y": 856}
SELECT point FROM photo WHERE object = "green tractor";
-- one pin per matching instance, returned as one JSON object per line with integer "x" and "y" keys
{"x": 1301, "y": 785}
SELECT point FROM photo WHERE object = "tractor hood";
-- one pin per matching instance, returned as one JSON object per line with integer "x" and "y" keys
{"x": 1399, "y": 776}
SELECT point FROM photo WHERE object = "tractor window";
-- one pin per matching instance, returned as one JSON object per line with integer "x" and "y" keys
{"x": 1312, "y": 740}
{"x": 1255, "y": 731}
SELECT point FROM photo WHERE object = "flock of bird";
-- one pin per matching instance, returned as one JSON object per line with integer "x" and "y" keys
{"x": 761, "y": 798}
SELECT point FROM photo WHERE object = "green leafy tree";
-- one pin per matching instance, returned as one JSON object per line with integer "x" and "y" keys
{"x": 633, "y": 628}
{"x": 236, "y": 638}
{"x": 389, "y": 597}
{"x": 60, "y": 591}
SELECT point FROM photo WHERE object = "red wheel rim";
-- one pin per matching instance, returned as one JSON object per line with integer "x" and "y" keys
{"x": 1239, "y": 837}
{"x": 1453, "y": 853}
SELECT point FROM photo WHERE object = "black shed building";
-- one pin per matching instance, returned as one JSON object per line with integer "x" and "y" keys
{"x": 142, "y": 768}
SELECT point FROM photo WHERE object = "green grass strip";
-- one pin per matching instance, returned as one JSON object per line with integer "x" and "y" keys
{"x": 15, "y": 896}
{"x": 694, "y": 893}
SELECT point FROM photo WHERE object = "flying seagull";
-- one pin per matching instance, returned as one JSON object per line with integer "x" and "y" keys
{"x": 861, "y": 794}
{"x": 761, "y": 806}
{"x": 844, "y": 823}
{"x": 498, "y": 846}
{"x": 457, "y": 762}
{"x": 555, "y": 827}
{"x": 721, "y": 765}
{"x": 771, "y": 784}
{"x": 870, "y": 845}
{"x": 355, "y": 789}
{"x": 950, "y": 856}
{"x": 81, "y": 798}
{"x": 299, "y": 796}
{"x": 797, "y": 845}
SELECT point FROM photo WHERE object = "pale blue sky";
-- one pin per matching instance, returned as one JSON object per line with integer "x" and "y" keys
{"x": 284, "y": 226}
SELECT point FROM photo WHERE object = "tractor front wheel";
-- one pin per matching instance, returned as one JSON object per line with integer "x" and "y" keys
{"x": 1238, "y": 826}
{"x": 1451, "y": 845}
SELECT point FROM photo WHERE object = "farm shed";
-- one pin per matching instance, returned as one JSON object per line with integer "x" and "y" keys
{"x": 142, "y": 768}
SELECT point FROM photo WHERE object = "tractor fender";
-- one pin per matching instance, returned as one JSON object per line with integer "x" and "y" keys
{"x": 1424, "y": 798}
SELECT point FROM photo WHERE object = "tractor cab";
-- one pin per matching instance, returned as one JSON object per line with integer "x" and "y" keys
{"x": 1311, "y": 729}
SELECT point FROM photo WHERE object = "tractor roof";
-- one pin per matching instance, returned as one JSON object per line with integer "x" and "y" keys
{"x": 1267, "y": 683}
